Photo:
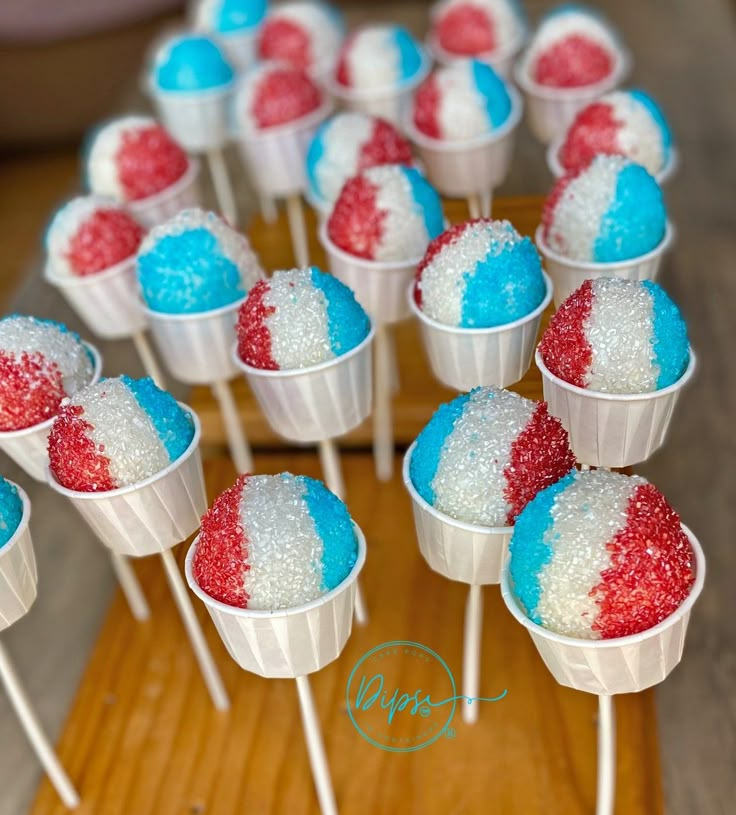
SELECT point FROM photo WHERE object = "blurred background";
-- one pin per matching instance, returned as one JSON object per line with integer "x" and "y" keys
{"x": 65, "y": 65}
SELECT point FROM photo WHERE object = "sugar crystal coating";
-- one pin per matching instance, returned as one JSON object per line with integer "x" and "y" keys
{"x": 11, "y": 510}
{"x": 474, "y": 28}
{"x": 379, "y": 56}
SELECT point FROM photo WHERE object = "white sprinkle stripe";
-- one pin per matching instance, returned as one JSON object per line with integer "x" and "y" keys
{"x": 102, "y": 164}
{"x": 639, "y": 136}
{"x": 404, "y": 235}
{"x": 343, "y": 141}
{"x": 462, "y": 110}
{"x": 324, "y": 34}
{"x": 373, "y": 60}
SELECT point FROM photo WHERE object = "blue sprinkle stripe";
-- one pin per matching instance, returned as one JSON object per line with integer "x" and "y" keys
{"x": 347, "y": 323}
{"x": 410, "y": 58}
{"x": 11, "y": 510}
{"x": 493, "y": 90}
{"x": 669, "y": 337}
{"x": 656, "y": 113}
{"x": 427, "y": 201}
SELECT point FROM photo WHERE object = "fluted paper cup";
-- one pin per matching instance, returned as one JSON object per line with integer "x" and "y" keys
{"x": 316, "y": 403}
{"x": 149, "y": 517}
{"x": 459, "y": 551}
{"x": 465, "y": 358}
{"x": 108, "y": 302}
{"x": 182, "y": 194}
{"x": 198, "y": 120}
{"x": 290, "y": 642}
{"x": 196, "y": 348}
{"x": 551, "y": 110}
{"x": 379, "y": 287}
{"x": 18, "y": 575}
{"x": 568, "y": 275}
{"x": 458, "y": 169}
{"x": 557, "y": 170}
{"x": 28, "y": 447}
{"x": 620, "y": 665}
{"x": 612, "y": 429}
{"x": 276, "y": 157}
{"x": 501, "y": 60}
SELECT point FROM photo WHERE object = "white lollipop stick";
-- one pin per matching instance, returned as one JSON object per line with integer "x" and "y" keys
{"x": 383, "y": 431}
{"x": 211, "y": 675}
{"x": 148, "y": 358}
{"x": 473, "y": 206}
{"x": 486, "y": 204}
{"x": 316, "y": 748}
{"x": 223, "y": 188}
{"x": 394, "y": 359}
{"x": 298, "y": 230}
{"x": 471, "y": 651}
{"x": 40, "y": 743}
{"x": 130, "y": 586}
{"x": 606, "y": 792}
{"x": 269, "y": 210}
{"x": 236, "y": 439}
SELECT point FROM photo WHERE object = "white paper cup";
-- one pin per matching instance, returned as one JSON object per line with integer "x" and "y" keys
{"x": 501, "y": 60}
{"x": 620, "y": 665}
{"x": 465, "y": 358}
{"x": 612, "y": 429}
{"x": 391, "y": 103}
{"x": 458, "y": 169}
{"x": 459, "y": 551}
{"x": 316, "y": 403}
{"x": 198, "y": 120}
{"x": 551, "y": 110}
{"x": 149, "y": 517}
{"x": 108, "y": 302}
{"x": 379, "y": 287}
{"x": 276, "y": 157}
{"x": 29, "y": 447}
{"x": 182, "y": 194}
{"x": 290, "y": 642}
{"x": 568, "y": 275}
{"x": 18, "y": 575}
{"x": 557, "y": 170}
{"x": 196, "y": 348}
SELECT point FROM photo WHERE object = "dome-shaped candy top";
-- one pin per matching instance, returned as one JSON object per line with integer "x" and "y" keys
{"x": 132, "y": 158}
{"x": 297, "y": 319}
{"x": 617, "y": 336}
{"x": 90, "y": 234}
{"x": 274, "y": 541}
{"x": 461, "y": 101}
{"x": 573, "y": 47}
{"x": 11, "y": 510}
{"x": 195, "y": 262}
{"x": 229, "y": 16}
{"x": 305, "y": 35}
{"x": 115, "y": 433}
{"x": 379, "y": 56}
{"x": 486, "y": 454}
{"x": 474, "y": 28}
{"x": 191, "y": 63}
{"x": 479, "y": 274}
{"x": 609, "y": 211}
{"x": 41, "y": 362}
{"x": 627, "y": 123}
{"x": 600, "y": 555}
{"x": 272, "y": 94}
{"x": 387, "y": 213}
{"x": 346, "y": 144}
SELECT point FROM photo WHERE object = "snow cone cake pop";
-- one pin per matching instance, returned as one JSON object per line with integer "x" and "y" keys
{"x": 274, "y": 541}
{"x": 297, "y": 319}
{"x": 41, "y": 363}
{"x": 11, "y": 510}
{"x": 600, "y": 555}
{"x": 305, "y": 35}
{"x": 90, "y": 234}
{"x": 612, "y": 210}
{"x": 479, "y": 274}
{"x": 485, "y": 455}
{"x": 387, "y": 213}
{"x": 195, "y": 262}
{"x": 115, "y": 433}
{"x": 627, "y": 123}
{"x": 345, "y": 145}
{"x": 235, "y": 24}
{"x": 617, "y": 336}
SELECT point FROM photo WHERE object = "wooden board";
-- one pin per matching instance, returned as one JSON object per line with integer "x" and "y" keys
{"x": 143, "y": 737}
{"x": 419, "y": 393}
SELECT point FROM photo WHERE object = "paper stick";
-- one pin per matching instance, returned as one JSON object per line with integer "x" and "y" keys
{"x": 148, "y": 358}
{"x": 383, "y": 431}
{"x": 236, "y": 439}
{"x": 298, "y": 230}
{"x": 40, "y": 743}
{"x": 606, "y": 791}
{"x": 269, "y": 210}
{"x": 316, "y": 748}
{"x": 199, "y": 645}
{"x": 486, "y": 204}
{"x": 473, "y": 206}
{"x": 130, "y": 586}
{"x": 471, "y": 652}
{"x": 394, "y": 358}
{"x": 223, "y": 188}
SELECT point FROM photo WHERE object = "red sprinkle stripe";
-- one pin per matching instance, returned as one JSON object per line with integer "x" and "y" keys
{"x": 31, "y": 389}
{"x": 284, "y": 41}
{"x": 105, "y": 239}
{"x": 254, "y": 338}
{"x": 466, "y": 30}
{"x": 573, "y": 62}
{"x": 386, "y": 146}
{"x": 283, "y": 95}
{"x": 356, "y": 223}
{"x": 149, "y": 161}
{"x": 73, "y": 458}
{"x": 427, "y": 107}
{"x": 565, "y": 348}
{"x": 595, "y": 130}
